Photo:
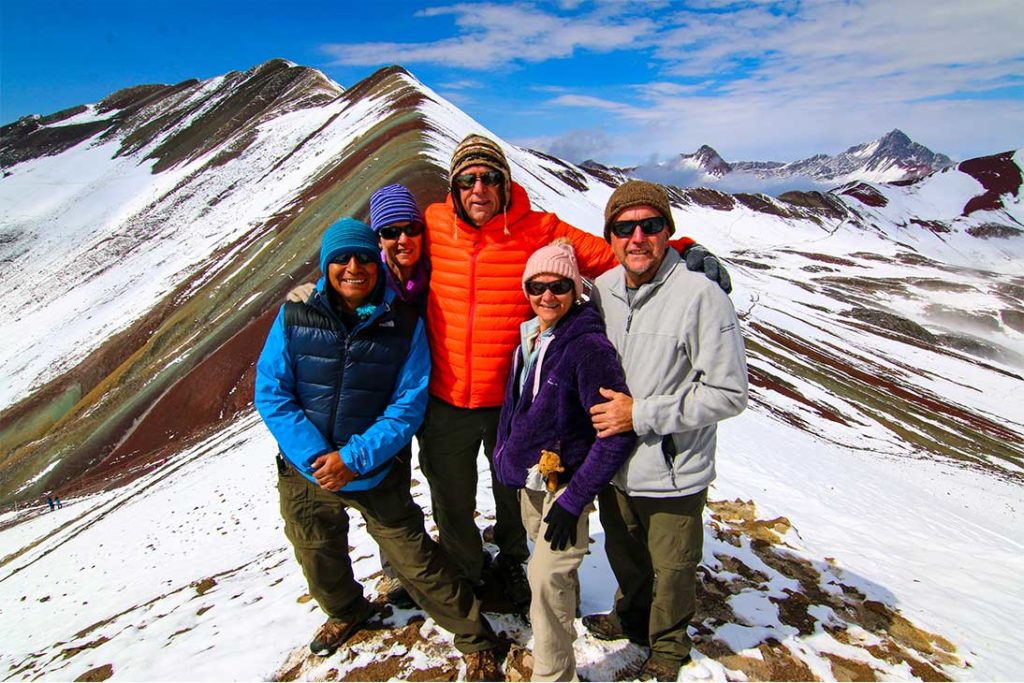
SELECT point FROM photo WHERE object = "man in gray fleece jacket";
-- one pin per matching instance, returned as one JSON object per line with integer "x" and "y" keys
{"x": 679, "y": 341}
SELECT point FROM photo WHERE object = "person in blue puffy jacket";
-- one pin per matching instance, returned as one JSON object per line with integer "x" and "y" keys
{"x": 342, "y": 385}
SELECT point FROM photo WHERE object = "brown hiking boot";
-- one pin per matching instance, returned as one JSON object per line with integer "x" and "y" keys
{"x": 655, "y": 670}
{"x": 334, "y": 632}
{"x": 483, "y": 666}
{"x": 608, "y": 627}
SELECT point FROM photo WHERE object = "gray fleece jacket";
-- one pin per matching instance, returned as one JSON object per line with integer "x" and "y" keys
{"x": 682, "y": 351}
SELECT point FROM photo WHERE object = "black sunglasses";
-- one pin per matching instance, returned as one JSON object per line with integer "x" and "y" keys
{"x": 392, "y": 232}
{"x": 561, "y": 286}
{"x": 466, "y": 181}
{"x": 361, "y": 256}
{"x": 649, "y": 226}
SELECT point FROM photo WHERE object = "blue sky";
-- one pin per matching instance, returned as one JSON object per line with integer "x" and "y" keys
{"x": 619, "y": 81}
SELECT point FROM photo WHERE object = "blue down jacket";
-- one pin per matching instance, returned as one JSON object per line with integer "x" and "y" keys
{"x": 552, "y": 411}
{"x": 363, "y": 393}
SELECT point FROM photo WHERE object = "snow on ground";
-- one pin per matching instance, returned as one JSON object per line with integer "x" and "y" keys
{"x": 185, "y": 573}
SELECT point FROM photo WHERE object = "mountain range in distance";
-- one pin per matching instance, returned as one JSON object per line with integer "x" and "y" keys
{"x": 892, "y": 158}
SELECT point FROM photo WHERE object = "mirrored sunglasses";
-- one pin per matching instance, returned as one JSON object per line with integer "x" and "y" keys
{"x": 392, "y": 232}
{"x": 466, "y": 181}
{"x": 649, "y": 226}
{"x": 558, "y": 287}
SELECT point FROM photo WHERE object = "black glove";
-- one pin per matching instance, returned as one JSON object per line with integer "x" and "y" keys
{"x": 698, "y": 258}
{"x": 561, "y": 527}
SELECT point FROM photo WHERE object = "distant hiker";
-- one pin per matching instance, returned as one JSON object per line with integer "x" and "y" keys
{"x": 398, "y": 222}
{"x": 682, "y": 351}
{"x": 57, "y": 501}
{"x": 49, "y": 500}
{"x": 341, "y": 384}
{"x": 547, "y": 448}
{"x": 479, "y": 239}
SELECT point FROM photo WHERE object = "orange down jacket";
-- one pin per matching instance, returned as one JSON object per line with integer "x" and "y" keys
{"x": 475, "y": 302}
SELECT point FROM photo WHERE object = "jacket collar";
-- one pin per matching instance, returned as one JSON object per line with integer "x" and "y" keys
{"x": 320, "y": 300}
{"x": 646, "y": 290}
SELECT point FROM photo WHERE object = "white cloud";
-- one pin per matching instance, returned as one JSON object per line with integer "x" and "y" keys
{"x": 756, "y": 79}
{"x": 493, "y": 35}
{"x": 576, "y": 145}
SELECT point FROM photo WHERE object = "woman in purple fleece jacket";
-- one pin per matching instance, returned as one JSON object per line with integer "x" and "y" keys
{"x": 558, "y": 370}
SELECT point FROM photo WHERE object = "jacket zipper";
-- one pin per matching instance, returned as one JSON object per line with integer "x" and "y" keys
{"x": 337, "y": 387}
{"x": 472, "y": 316}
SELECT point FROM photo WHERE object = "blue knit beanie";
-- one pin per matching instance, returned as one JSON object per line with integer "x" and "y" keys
{"x": 347, "y": 236}
{"x": 392, "y": 204}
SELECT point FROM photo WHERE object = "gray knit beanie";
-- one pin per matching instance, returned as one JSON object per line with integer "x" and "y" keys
{"x": 637, "y": 193}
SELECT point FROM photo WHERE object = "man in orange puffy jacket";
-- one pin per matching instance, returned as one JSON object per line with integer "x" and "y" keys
{"x": 478, "y": 241}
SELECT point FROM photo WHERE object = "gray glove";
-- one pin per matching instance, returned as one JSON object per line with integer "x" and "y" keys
{"x": 699, "y": 259}
{"x": 301, "y": 293}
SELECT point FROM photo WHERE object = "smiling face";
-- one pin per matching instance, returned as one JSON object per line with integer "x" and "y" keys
{"x": 403, "y": 252}
{"x": 480, "y": 202}
{"x": 550, "y": 307}
{"x": 353, "y": 281}
{"x": 641, "y": 255}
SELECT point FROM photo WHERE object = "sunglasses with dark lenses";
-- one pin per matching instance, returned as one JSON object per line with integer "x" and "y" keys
{"x": 466, "y": 181}
{"x": 648, "y": 226}
{"x": 393, "y": 232}
{"x": 561, "y": 286}
{"x": 361, "y": 256}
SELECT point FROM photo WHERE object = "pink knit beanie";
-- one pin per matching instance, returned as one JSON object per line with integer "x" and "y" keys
{"x": 557, "y": 258}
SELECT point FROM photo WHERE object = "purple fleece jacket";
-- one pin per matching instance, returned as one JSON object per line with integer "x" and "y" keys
{"x": 578, "y": 361}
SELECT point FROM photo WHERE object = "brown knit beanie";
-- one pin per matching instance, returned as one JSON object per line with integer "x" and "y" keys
{"x": 557, "y": 258}
{"x": 637, "y": 193}
{"x": 476, "y": 150}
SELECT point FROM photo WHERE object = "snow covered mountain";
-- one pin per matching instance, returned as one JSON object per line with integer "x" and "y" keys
{"x": 147, "y": 241}
{"x": 892, "y": 158}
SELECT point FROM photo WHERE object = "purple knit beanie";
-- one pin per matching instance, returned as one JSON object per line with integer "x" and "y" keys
{"x": 391, "y": 204}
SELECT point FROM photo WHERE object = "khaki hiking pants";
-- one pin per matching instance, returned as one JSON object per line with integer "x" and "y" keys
{"x": 555, "y": 584}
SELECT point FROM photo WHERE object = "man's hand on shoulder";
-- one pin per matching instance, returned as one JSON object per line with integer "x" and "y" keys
{"x": 331, "y": 472}
{"x": 614, "y": 416}
{"x": 301, "y": 293}
{"x": 699, "y": 259}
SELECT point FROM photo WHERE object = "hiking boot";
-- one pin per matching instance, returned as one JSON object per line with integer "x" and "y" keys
{"x": 511, "y": 577}
{"x": 483, "y": 666}
{"x": 655, "y": 670}
{"x": 392, "y": 590}
{"x": 608, "y": 627}
{"x": 334, "y": 632}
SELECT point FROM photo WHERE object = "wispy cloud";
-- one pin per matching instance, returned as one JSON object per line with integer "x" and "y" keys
{"x": 462, "y": 84}
{"x": 817, "y": 75}
{"x": 576, "y": 146}
{"x": 496, "y": 35}
{"x": 750, "y": 77}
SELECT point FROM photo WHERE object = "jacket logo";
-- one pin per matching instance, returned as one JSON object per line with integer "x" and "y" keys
{"x": 388, "y": 323}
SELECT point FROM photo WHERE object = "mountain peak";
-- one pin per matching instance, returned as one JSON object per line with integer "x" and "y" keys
{"x": 896, "y": 135}
{"x": 707, "y": 159}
